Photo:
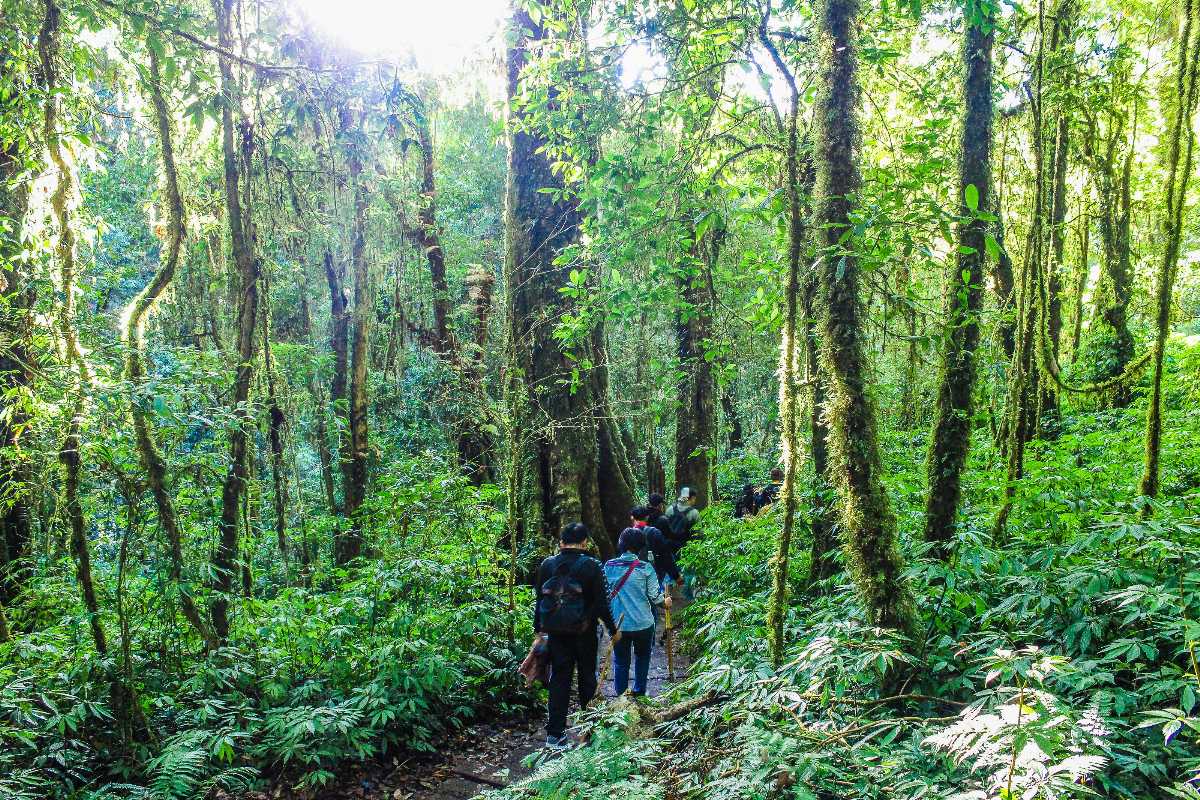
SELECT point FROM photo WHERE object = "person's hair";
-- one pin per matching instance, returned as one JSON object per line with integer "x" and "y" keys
{"x": 748, "y": 488}
{"x": 640, "y": 513}
{"x": 575, "y": 533}
{"x": 777, "y": 474}
{"x": 632, "y": 540}
{"x": 656, "y": 499}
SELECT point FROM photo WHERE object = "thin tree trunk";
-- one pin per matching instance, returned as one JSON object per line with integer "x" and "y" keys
{"x": 737, "y": 438}
{"x": 1081, "y": 279}
{"x": 16, "y": 367}
{"x": 241, "y": 236}
{"x": 1182, "y": 137}
{"x": 320, "y": 410}
{"x": 951, "y": 437}
{"x": 868, "y": 524}
{"x": 136, "y": 315}
{"x": 276, "y": 422}
{"x": 70, "y": 453}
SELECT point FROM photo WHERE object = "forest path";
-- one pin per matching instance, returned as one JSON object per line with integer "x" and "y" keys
{"x": 483, "y": 756}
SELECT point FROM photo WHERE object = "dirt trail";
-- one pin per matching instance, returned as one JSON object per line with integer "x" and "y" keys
{"x": 484, "y": 756}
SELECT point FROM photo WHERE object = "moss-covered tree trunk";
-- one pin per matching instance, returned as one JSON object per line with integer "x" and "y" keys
{"x": 868, "y": 524}
{"x": 1182, "y": 138}
{"x": 136, "y": 316}
{"x": 225, "y": 555}
{"x": 16, "y": 366}
{"x": 951, "y": 437}
{"x": 349, "y": 543}
{"x": 568, "y": 419}
{"x": 696, "y": 409}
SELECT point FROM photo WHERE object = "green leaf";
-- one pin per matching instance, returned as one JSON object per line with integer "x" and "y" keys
{"x": 992, "y": 246}
{"x": 971, "y": 197}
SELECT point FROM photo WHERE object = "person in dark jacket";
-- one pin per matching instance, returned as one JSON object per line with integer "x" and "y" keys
{"x": 659, "y": 550}
{"x": 658, "y": 513}
{"x": 573, "y": 652}
{"x": 770, "y": 492}
{"x": 747, "y": 504}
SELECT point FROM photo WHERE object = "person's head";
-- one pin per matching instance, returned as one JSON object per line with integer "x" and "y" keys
{"x": 639, "y": 514}
{"x": 632, "y": 540}
{"x": 574, "y": 535}
{"x": 687, "y": 496}
{"x": 777, "y": 475}
{"x": 656, "y": 501}
{"x": 748, "y": 490}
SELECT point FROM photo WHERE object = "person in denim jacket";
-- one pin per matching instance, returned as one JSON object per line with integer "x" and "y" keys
{"x": 635, "y": 591}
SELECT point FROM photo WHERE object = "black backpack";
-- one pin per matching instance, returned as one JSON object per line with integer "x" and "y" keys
{"x": 562, "y": 607}
{"x": 680, "y": 523}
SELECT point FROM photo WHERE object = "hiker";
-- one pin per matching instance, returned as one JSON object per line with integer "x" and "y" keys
{"x": 572, "y": 597}
{"x": 658, "y": 513}
{"x": 770, "y": 492}
{"x": 681, "y": 518}
{"x": 658, "y": 550}
{"x": 634, "y": 593}
{"x": 747, "y": 503}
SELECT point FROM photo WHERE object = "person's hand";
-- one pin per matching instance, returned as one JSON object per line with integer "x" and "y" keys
{"x": 667, "y": 599}
{"x": 616, "y": 637}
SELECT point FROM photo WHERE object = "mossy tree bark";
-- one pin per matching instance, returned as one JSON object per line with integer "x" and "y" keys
{"x": 696, "y": 411}
{"x": 569, "y": 421}
{"x": 136, "y": 316}
{"x": 16, "y": 366}
{"x": 225, "y": 555}
{"x": 349, "y": 543}
{"x": 951, "y": 437}
{"x": 1182, "y": 138}
{"x": 868, "y": 524}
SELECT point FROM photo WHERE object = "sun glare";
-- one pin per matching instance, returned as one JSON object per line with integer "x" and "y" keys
{"x": 439, "y": 34}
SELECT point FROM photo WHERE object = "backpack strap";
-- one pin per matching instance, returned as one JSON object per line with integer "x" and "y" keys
{"x": 617, "y": 589}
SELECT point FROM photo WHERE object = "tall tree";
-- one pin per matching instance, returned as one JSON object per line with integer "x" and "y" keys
{"x": 225, "y": 556}
{"x": 573, "y": 427}
{"x": 951, "y": 436}
{"x": 868, "y": 524}
{"x": 1182, "y": 137}
{"x": 136, "y": 315}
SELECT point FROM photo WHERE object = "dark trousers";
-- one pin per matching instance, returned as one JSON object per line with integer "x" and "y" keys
{"x": 570, "y": 654}
{"x": 641, "y": 642}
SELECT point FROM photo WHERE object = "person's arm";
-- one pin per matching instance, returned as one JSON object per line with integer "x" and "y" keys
{"x": 600, "y": 590}
{"x": 537, "y": 588}
{"x": 654, "y": 592}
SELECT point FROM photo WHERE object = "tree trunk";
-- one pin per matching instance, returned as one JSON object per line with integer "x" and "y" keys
{"x": 246, "y": 260}
{"x": 1182, "y": 137}
{"x": 737, "y": 437}
{"x": 1115, "y": 202}
{"x": 951, "y": 437}
{"x": 696, "y": 409}
{"x": 136, "y": 315}
{"x": 571, "y": 424}
{"x": 355, "y": 446}
{"x": 275, "y": 432}
{"x": 868, "y": 524}
{"x": 16, "y": 366}
{"x": 320, "y": 410}
{"x": 1081, "y": 279}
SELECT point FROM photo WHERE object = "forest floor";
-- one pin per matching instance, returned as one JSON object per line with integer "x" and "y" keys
{"x": 487, "y": 755}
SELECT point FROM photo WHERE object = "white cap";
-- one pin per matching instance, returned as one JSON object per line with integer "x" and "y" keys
{"x": 685, "y": 494}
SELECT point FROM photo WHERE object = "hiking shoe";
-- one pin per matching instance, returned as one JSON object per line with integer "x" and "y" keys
{"x": 557, "y": 742}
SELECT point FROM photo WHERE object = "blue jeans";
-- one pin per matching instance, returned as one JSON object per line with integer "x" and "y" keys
{"x": 641, "y": 642}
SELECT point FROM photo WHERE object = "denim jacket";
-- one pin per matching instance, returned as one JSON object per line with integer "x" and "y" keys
{"x": 637, "y": 595}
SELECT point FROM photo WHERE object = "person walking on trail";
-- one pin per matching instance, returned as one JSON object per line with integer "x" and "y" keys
{"x": 573, "y": 597}
{"x": 635, "y": 591}
{"x": 747, "y": 503}
{"x": 658, "y": 550}
{"x": 770, "y": 492}
{"x": 658, "y": 513}
{"x": 682, "y": 518}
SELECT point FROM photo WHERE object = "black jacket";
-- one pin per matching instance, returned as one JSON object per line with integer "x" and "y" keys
{"x": 595, "y": 586}
{"x": 664, "y": 554}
